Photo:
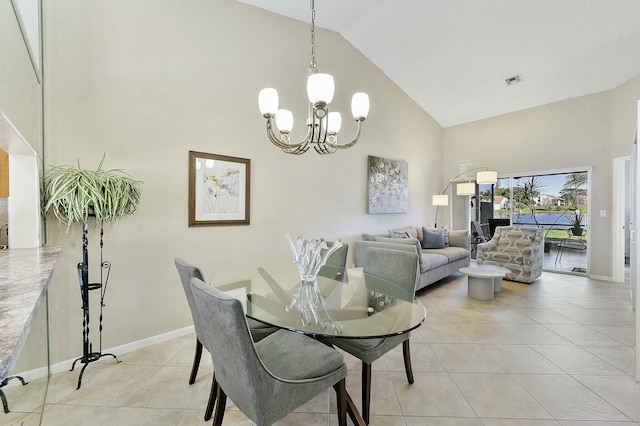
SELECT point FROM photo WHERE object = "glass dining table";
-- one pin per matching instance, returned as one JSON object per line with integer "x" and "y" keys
{"x": 344, "y": 303}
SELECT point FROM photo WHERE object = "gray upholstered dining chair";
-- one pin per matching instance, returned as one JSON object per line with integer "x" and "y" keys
{"x": 334, "y": 268}
{"x": 186, "y": 272}
{"x": 267, "y": 379}
{"x": 401, "y": 269}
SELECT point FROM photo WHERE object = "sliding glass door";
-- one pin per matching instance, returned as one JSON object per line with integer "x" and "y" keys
{"x": 558, "y": 202}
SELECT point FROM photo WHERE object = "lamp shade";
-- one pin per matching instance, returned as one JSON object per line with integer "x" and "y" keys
{"x": 440, "y": 200}
{"x": 320, "y": 88}
{"x": 360, "y": 105}
{"x": 487, "y": 177}
{"x": 284, "y": 120}
{"x": 268, "y": 101}
{"x": 466, "y": 188}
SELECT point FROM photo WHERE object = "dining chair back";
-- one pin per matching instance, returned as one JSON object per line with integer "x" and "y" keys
{"x": 336, "y": 263}
{"x": 400, "y": 268}
{"x": 269, "y": 379}
{"x": 186, "y": 271}
{"x": 259, "y": 331}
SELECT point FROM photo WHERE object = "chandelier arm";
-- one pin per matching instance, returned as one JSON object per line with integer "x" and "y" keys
{"x": 288, "y": 147}
{"x": 353, "y": 141}
{"x": 324, "y": 148}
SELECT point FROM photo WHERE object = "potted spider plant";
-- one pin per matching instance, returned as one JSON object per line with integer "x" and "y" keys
{"x": 71, "y": 194}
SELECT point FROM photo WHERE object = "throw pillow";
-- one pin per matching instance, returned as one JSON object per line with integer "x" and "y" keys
{"x": 433, "y": 239}
{"x": 401, "y": 231}
{"x": 398, "y": 234}
{"x": 419, "y": 233}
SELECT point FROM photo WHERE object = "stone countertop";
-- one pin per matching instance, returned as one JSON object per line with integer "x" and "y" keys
{"x": 25, "y": 275}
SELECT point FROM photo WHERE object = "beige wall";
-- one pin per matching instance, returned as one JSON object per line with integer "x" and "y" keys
{"x": 624, "y": 116}
{"x": 144, "y": 82}
{"x": 586, "y": 131}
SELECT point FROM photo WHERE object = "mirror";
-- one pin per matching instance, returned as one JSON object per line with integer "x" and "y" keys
{"x": 26, "y": 401}
{"x": 21, "y": 114}
{"x": 27, "y": 13}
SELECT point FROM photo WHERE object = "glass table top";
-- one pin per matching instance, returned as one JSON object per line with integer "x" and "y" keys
{"x": 342, "y": 302}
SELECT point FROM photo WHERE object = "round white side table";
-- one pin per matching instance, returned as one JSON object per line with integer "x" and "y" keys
{"x": 484, "y": 280}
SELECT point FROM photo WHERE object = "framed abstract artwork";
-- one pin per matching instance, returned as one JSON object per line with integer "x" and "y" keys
{"x": 388, "y": 188}
{"x": 219, "y": 188}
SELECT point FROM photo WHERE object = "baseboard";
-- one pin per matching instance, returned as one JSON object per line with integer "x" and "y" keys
{"x": 38, "y": 373}
{"x": 601, "y": 278}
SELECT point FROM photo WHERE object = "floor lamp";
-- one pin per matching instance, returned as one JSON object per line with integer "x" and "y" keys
{"x": 439, "y": 200}
{"x": 484, "y": 176}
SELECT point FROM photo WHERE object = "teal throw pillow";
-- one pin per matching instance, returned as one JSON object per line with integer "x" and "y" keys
{"x": 432, "y": 239}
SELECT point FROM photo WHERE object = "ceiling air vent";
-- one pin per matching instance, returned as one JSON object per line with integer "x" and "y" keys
{"x": 514, "y": 80}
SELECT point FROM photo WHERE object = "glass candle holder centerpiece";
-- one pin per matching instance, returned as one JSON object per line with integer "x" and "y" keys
{"x": 309, "y": 256}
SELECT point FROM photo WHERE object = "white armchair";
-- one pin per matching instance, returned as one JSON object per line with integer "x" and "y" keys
{"x": 518, "y": 249}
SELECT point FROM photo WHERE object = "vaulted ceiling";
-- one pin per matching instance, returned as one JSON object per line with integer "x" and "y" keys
{"x": 452, "y": 57}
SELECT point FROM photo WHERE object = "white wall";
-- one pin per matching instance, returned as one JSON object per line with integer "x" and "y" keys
{"x": 585, "y": 131}
{"x": 144, "y": 82}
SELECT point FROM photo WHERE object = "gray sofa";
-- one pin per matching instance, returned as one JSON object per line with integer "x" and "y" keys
{"x": 434, "y": 263}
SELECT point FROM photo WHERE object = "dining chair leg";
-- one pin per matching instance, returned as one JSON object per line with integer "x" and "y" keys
{"x": 212, "y": 399}
{"x": 196, "y": 362}
{"x": 341, "y": 398}
{"x": 222, "y": 401}
{"x": 407, "y": 361}
{"x": 366, "y": 391}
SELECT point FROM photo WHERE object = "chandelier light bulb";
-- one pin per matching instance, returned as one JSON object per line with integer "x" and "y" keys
{"x": 360, "y": 105}
{"x": 320, "y": 88}
{"x": 268, "y": 101}
{"x": 335, "y": 123}
{"x": 284, "y": 120}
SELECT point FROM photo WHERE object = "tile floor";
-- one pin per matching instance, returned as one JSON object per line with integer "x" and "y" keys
{"x": 557, "y": 352}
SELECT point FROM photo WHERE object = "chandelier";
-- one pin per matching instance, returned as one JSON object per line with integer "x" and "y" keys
{"x": 322, "y": 126}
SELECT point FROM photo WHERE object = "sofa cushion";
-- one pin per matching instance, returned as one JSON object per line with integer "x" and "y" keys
{"x": 459, "y": 238}
{"x": 451, "y": 253}
{"x": 431, "y": 261}
{"x": 433, "y": 239}
{"x": 409, "y": 241}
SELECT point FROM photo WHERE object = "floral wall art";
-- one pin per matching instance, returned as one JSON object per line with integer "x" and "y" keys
{"x": 388, "y": 187}
{"x": 218, "y": 189}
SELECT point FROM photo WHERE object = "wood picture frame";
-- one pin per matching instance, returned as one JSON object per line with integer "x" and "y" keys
{"x": 219, "y": 189}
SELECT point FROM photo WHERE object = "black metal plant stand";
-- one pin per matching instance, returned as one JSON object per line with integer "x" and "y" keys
{"x": 5, "y": 404}
{"x": 88, "y": 355}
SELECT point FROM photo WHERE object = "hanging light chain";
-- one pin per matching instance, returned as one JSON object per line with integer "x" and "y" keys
{"x": 313, "y": 37}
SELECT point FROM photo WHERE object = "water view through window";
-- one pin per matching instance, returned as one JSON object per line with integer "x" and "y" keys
{"x": 556, "y": 202}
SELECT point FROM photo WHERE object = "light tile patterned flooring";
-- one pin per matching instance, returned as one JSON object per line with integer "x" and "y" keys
{"x": 557, "y": 352}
